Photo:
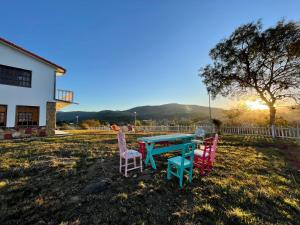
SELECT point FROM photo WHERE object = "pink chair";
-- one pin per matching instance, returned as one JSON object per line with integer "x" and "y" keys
{"x": 204, "y": 158}
{"x": 212, "y": 158}
{"x": 128, "y": 154}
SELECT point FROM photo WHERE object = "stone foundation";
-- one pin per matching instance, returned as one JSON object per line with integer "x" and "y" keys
{"x": 51, "y": 118}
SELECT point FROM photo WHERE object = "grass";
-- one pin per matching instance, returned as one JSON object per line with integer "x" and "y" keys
{"x": 254, "y": 181}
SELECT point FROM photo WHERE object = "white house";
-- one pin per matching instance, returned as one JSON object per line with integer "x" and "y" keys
{"x": 28, "y": 95}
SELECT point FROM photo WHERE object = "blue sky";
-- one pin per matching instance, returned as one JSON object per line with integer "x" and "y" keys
{"x": 125, "y": 53}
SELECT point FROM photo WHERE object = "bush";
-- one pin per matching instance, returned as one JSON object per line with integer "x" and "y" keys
{"x": 86, "y": 124}
{"x": 217, "y": 123}
{"x": 66, "y": 126}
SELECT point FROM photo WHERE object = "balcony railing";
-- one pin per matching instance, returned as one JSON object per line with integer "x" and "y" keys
{"x": 65, "y": 96}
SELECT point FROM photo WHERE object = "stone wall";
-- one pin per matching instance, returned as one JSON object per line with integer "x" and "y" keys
{"x": 51, "y": 118}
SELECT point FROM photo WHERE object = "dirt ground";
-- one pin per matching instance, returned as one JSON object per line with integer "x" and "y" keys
{"x": 75, "y": 180}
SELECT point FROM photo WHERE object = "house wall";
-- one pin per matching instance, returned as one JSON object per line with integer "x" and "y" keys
{"x": 42, "y": 87}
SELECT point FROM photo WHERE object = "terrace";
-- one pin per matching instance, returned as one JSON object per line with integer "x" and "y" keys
{"x": 63, "y": 98}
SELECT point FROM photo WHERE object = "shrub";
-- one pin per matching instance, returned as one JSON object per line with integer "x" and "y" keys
{"x": 217, "y": 123}
{"x": 86, "y": 124}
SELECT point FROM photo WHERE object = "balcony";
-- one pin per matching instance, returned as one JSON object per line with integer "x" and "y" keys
{"x": 63, "y": 98}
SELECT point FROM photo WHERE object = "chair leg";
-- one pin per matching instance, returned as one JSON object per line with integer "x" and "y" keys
{"x": 141, "y": 163}
{"x": 210, "y": 165}
{"x": 126, "y": 165}
{"x": 134, "y": 159}
{"x": 169, "y": 171}
{"x": 202, "y": 169}
{"x": 120, "y": 164}
{"x": 191, "y": 175}
{"x": 181, "y": 177}
{"x": 202, "y": 166}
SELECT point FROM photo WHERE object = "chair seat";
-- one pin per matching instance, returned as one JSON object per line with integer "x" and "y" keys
{"x": 130, "y": 153}
{"x": 199, "y": 152}
{"x": 177, "y": 161}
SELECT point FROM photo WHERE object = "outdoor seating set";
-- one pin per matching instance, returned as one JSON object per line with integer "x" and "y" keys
{"x": 195, "y": 151}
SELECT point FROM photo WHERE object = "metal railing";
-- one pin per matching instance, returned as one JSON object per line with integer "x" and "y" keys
{"x": 64, "y": 95}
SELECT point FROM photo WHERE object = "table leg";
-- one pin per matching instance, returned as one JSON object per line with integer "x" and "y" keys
{"x": 149, "y": 148}
{"x": 148, "y": 153}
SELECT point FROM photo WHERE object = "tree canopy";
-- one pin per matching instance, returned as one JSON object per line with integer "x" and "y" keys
{"x": 265, "y": 63}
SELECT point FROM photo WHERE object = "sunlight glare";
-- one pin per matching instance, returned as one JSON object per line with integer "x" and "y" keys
{"x": 256, "y": 105}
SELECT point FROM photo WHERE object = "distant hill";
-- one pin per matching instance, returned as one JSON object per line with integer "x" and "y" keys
{"x": 171, "y": 111}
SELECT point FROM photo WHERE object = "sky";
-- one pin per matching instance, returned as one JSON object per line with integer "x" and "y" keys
{"x": 125, "y": 53}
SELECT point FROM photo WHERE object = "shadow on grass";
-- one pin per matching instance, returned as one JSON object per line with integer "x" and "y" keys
{"x": 250, "y": 184}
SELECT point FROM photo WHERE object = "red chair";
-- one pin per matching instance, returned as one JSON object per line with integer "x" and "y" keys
{"x": 142, "y": 149}
{"x": 8, "y": 136}
{"x": 204, "y": 159}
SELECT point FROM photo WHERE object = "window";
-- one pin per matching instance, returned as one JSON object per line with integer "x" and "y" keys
{"x": 15, "y": 76}
{"x": 24, "y": 118}
{"x": 3, "y": 111}
{"x": 27, "y": 116}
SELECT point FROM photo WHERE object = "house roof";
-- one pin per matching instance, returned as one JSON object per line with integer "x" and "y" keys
{"x": 59, "y": 69}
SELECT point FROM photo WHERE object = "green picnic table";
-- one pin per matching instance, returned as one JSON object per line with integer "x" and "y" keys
{"x": 151, "y": 141}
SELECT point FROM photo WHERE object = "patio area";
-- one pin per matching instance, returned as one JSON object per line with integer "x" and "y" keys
{"x": 76, "y": 180}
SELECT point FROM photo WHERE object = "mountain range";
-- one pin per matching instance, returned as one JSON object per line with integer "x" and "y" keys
{"x": 172, "y": 111}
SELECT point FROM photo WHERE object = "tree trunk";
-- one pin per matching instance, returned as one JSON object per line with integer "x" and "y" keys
{"x": 272, "y": 120}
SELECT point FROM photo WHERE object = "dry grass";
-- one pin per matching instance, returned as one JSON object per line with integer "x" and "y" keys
{"x": 41, "y": 182}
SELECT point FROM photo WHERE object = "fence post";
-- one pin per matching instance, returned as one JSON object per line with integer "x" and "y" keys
{"x": 273, "y": 131}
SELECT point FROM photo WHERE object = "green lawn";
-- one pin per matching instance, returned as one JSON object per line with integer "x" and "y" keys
{"x": 254, "y": 181}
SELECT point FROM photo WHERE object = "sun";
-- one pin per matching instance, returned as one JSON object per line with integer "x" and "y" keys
{"x": 256, "y": 105}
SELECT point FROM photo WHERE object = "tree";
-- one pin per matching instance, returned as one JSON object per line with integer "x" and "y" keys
{"x": 265, "y": 63}
{"x": 233, "y": 116}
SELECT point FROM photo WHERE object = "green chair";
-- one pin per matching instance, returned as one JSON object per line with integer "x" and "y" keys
{"x": 179, "y": 165}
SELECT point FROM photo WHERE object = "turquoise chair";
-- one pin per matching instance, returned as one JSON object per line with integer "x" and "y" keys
{"x": 179, "y": 165}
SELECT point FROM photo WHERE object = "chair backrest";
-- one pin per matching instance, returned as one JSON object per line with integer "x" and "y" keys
{"x": 200, "y": 133}
{"x": 214, "y": 148}
{"x": 187, "y": 152}
{"x": 208, "y": 143}
{"x": 114, "y": 127}
{"x": 121, "y": 142}
{"x": 129, "y": 127}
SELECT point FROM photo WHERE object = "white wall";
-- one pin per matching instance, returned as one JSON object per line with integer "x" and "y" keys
{"x": 42, "y": 86}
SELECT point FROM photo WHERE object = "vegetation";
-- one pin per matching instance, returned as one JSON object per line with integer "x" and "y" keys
{"x": 243, "y": 116}
{"x": 177, "y": 114}
{"x": 217, "y": 123}
{"x": 86, "y": 124}
{"x": 265, "y": 63}
{"x": 254, "y": 181}
{"x": 160, "y": 113}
